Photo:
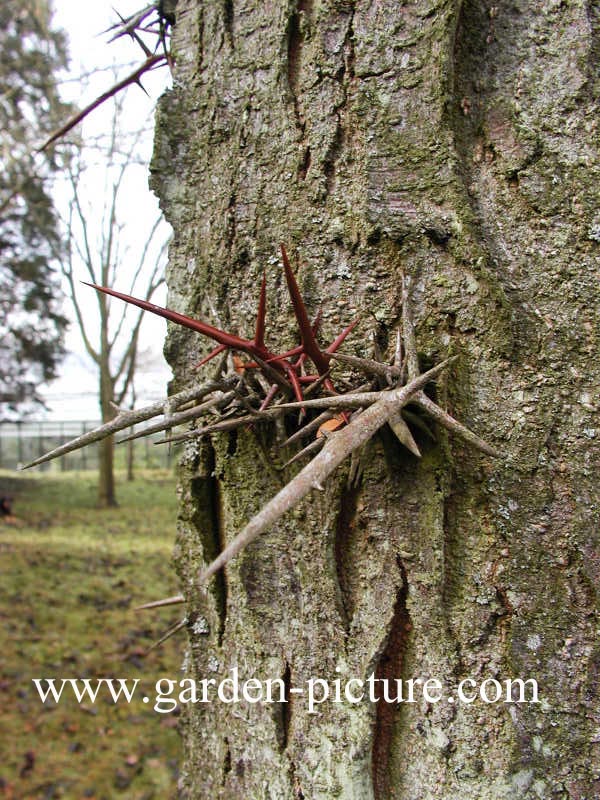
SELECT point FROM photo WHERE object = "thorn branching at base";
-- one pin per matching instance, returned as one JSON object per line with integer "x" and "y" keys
{"x": 266, "y": 387}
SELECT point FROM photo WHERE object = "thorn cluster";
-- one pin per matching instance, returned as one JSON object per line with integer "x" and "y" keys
{"x": 262, "y": 388}
{"x": 286, "y": 371}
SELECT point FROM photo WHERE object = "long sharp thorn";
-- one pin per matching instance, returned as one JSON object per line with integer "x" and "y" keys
{"x": 453, "y": 425}
{"x": 168, "y": 601}
{"x": 269, "y": 397}
{"x": 306, "y": 332}
{"x": 368, "y": 365}
{"x": 226, "y": 425}
{"x": 416, "y": 420}
{"x": 316, "y": 384}
{"x": 125, "y": 420}
{"x": 360, "y": 399}
{"x": 128, "y": 29}
{"x": 180, "y": 417}
{"x": 259, "y": 335}
{"x": 272, "y": 374}
{"x": 228, "y": 339}
{"x": 142, "y": 87}
{"x": 134, "y": 20}
{"x": 212, "y": 354}
{"x": 291, "y": 373}
{"x": 317, "y": 444}
{"x": 338, "y": 341}
{"x": 295, "y": 351}
{"x": 309, "y": 428}
{"x": 170, "y": 632}
{"x": 403, "y": 434}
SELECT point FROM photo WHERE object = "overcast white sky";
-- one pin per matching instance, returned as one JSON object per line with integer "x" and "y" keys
{"x": 74, "y": 394}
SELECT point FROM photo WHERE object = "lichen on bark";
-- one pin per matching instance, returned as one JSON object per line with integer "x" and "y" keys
{"x": 457, "y": 143}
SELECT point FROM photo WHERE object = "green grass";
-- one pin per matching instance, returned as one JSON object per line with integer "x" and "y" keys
{"x": 71, "y": 575}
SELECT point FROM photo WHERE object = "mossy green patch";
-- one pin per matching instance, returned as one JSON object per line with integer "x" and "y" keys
{"x": 71, "y": 577}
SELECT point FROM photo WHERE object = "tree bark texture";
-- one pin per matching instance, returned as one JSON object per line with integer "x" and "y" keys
{"x": 457, "y": 143}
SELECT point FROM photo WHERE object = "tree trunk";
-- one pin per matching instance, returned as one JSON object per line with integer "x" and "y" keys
{"x": 106, "y": 448}
{"x": 455, "y": 143}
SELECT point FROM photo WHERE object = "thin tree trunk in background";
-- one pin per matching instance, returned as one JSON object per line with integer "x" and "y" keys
{"x": 130, "y": 456}
{"x": 455, "y": 143}
{"x": 106, "y": 448}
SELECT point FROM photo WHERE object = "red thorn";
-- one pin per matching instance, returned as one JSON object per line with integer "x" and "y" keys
{"x": 227, "y": 339}
{"x": 270, "y": 395}
{"x": 296, "y": 351}
{"x": 311, "y": 348}
{"x": 339, "y": 339}
{"x": 212, "y": 354}
{"x": 259, "y": 335}
{"x": 295, "y": 383}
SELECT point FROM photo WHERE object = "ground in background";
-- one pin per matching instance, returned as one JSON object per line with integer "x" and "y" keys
{"x": 71, "y": 576}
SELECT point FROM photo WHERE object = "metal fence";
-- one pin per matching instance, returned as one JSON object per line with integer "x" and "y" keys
{"x": 22, "y": 442}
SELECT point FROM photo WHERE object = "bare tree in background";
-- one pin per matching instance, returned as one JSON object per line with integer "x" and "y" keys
{"x": 95, "y": 253}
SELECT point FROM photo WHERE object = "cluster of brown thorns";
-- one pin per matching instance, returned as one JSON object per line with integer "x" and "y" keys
{"x": 262, "y": 388}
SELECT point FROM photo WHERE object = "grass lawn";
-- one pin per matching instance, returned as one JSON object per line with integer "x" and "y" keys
{"x": 71, "y": 575}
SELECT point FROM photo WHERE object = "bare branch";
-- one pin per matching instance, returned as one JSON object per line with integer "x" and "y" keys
{"x": 134, "y": 77}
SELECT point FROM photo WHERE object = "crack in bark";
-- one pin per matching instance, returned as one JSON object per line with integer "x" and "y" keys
{"x": 344, "y": 75}
{"x": 332, "y": 155}
{"x": 294, "y": 57}
{"x": 229, "y": 16}
{"x": 286, "y": 708}
{"x": 305, "y": 165}
{"x": 342, "y": 548}
{"x": 389, "y": 667}
{"x": 226, "y": 762}
{"x": 208, "y": 519}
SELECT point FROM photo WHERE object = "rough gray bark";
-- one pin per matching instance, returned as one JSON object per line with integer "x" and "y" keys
{"x": 456, "y": 142}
